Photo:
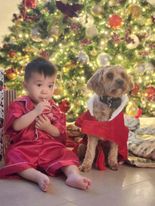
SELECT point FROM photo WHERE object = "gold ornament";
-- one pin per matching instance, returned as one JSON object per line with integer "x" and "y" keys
{"x": 134, "y": 10}
{"x": 59, "y": 90}
{"x": 131, "y": 108}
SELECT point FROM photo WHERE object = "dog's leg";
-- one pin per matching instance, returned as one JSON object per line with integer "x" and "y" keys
{"x": 112, "y": 156}
{"x": 90, "y": 154}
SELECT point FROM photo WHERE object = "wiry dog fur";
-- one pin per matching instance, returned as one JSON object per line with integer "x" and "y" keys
{"x": 111, "y": 81}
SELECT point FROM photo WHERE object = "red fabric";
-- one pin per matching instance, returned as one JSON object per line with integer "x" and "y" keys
{"x": 114, "y": 130}
{"x": 32, "y": 147}
{"x": 100, "y": 159}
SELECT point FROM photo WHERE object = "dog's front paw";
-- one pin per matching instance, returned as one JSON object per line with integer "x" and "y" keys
{"x": 113, "y": 164}
{"x": 85, "y": 167}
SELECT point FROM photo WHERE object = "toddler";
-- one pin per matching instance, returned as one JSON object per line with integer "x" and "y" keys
{"x": 37, "y": 131}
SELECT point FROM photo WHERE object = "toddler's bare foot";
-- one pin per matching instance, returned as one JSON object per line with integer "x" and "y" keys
{"x": 78, "y": 181}
{"x": 36, "y": 176}
{"x": 43, "y": 181}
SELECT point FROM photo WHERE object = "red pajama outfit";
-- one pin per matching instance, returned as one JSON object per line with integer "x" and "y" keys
{"x": 32, "y": 147}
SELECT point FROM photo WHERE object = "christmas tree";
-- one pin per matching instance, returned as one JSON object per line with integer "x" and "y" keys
{"x": 79, "y": 36}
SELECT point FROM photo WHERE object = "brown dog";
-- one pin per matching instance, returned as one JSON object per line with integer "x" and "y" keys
{"x": 110, "y": 85}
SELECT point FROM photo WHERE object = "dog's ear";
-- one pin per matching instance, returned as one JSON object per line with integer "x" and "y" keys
{"x": 95, "y": 82}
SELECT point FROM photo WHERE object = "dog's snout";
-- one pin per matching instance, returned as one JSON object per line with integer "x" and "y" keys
{"x": 120, "y": 82}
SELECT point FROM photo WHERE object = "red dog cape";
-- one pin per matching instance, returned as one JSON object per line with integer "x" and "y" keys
{"x": 112, "y": 130}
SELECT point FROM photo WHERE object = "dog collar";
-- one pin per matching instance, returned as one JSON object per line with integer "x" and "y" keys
{"x": 112, "y": 102}
{"x": 124, "y": 101}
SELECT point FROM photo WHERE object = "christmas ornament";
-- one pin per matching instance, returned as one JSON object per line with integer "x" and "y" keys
{"x": 12, "y": 53}
{"x": 83, "y": 57}
{"x": 150, "y": 93}
{"x": 139, "y": 113}
{"x": 10, "y": 74}
{"x": 59, "y": 90}
{"x": 152, "y": 2}
{"x": 97, "y": 10}
{"x": 134, "y": 10}
{"x": 31, "y": 4}
{"x": 35, "y": 34}
{"x": 115, "y": 21}
{"x": 91, "y": 31}
{"x": 68, "y": 10}
{"x": 131, "y": 109}
{"x": 64, "y": 106}
{"x": 44, "y": 54}
{"x": 135, "y": 89}
{"x": 103, "y": 59}
{"x": 132, "y": 41}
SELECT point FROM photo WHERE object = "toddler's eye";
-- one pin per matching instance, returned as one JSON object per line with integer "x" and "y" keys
{"x": 38, "y": 85}
{"x": 50, "y": 86}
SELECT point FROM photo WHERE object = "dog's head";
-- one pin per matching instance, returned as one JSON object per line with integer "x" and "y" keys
{"x": 110, "y": 81}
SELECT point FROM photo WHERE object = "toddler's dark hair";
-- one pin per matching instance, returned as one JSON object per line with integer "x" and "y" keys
{"x": 41, "y": 66}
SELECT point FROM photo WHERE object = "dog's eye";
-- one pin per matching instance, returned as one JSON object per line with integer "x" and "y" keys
{"x": 123, "y": 75}
{"x": 110, "y": 75}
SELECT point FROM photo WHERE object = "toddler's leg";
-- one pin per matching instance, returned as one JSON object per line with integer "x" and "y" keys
{"x": 36, "y": 176}
{"x": 75, "y": 179}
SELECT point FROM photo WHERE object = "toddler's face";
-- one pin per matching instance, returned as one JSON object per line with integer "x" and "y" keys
{"x": 39, "y": 87}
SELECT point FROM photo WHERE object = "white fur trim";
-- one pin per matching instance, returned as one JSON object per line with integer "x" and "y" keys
{"x": 115, "y": 113}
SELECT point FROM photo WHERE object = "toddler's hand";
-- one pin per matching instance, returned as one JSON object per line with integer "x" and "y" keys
{"x": 45, "y": 105}
{"x": 42, "y": 122}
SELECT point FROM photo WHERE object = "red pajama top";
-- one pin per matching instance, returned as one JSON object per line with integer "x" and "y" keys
{"x": 32, "y": 147}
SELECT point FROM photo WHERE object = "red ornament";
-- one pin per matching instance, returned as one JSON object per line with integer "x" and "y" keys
{"x": 64, "y": 106}
{"x": 12, "y": 53}
{"x": 31, "y": 4}
{"x": 44, "y": 54}
{"x": 11, "y": 74}
{"x": 115, "y": 21}
{"x": 150, "y": 92}
{"x": 135, "y": 89}
{"x": 139, "y": 113}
